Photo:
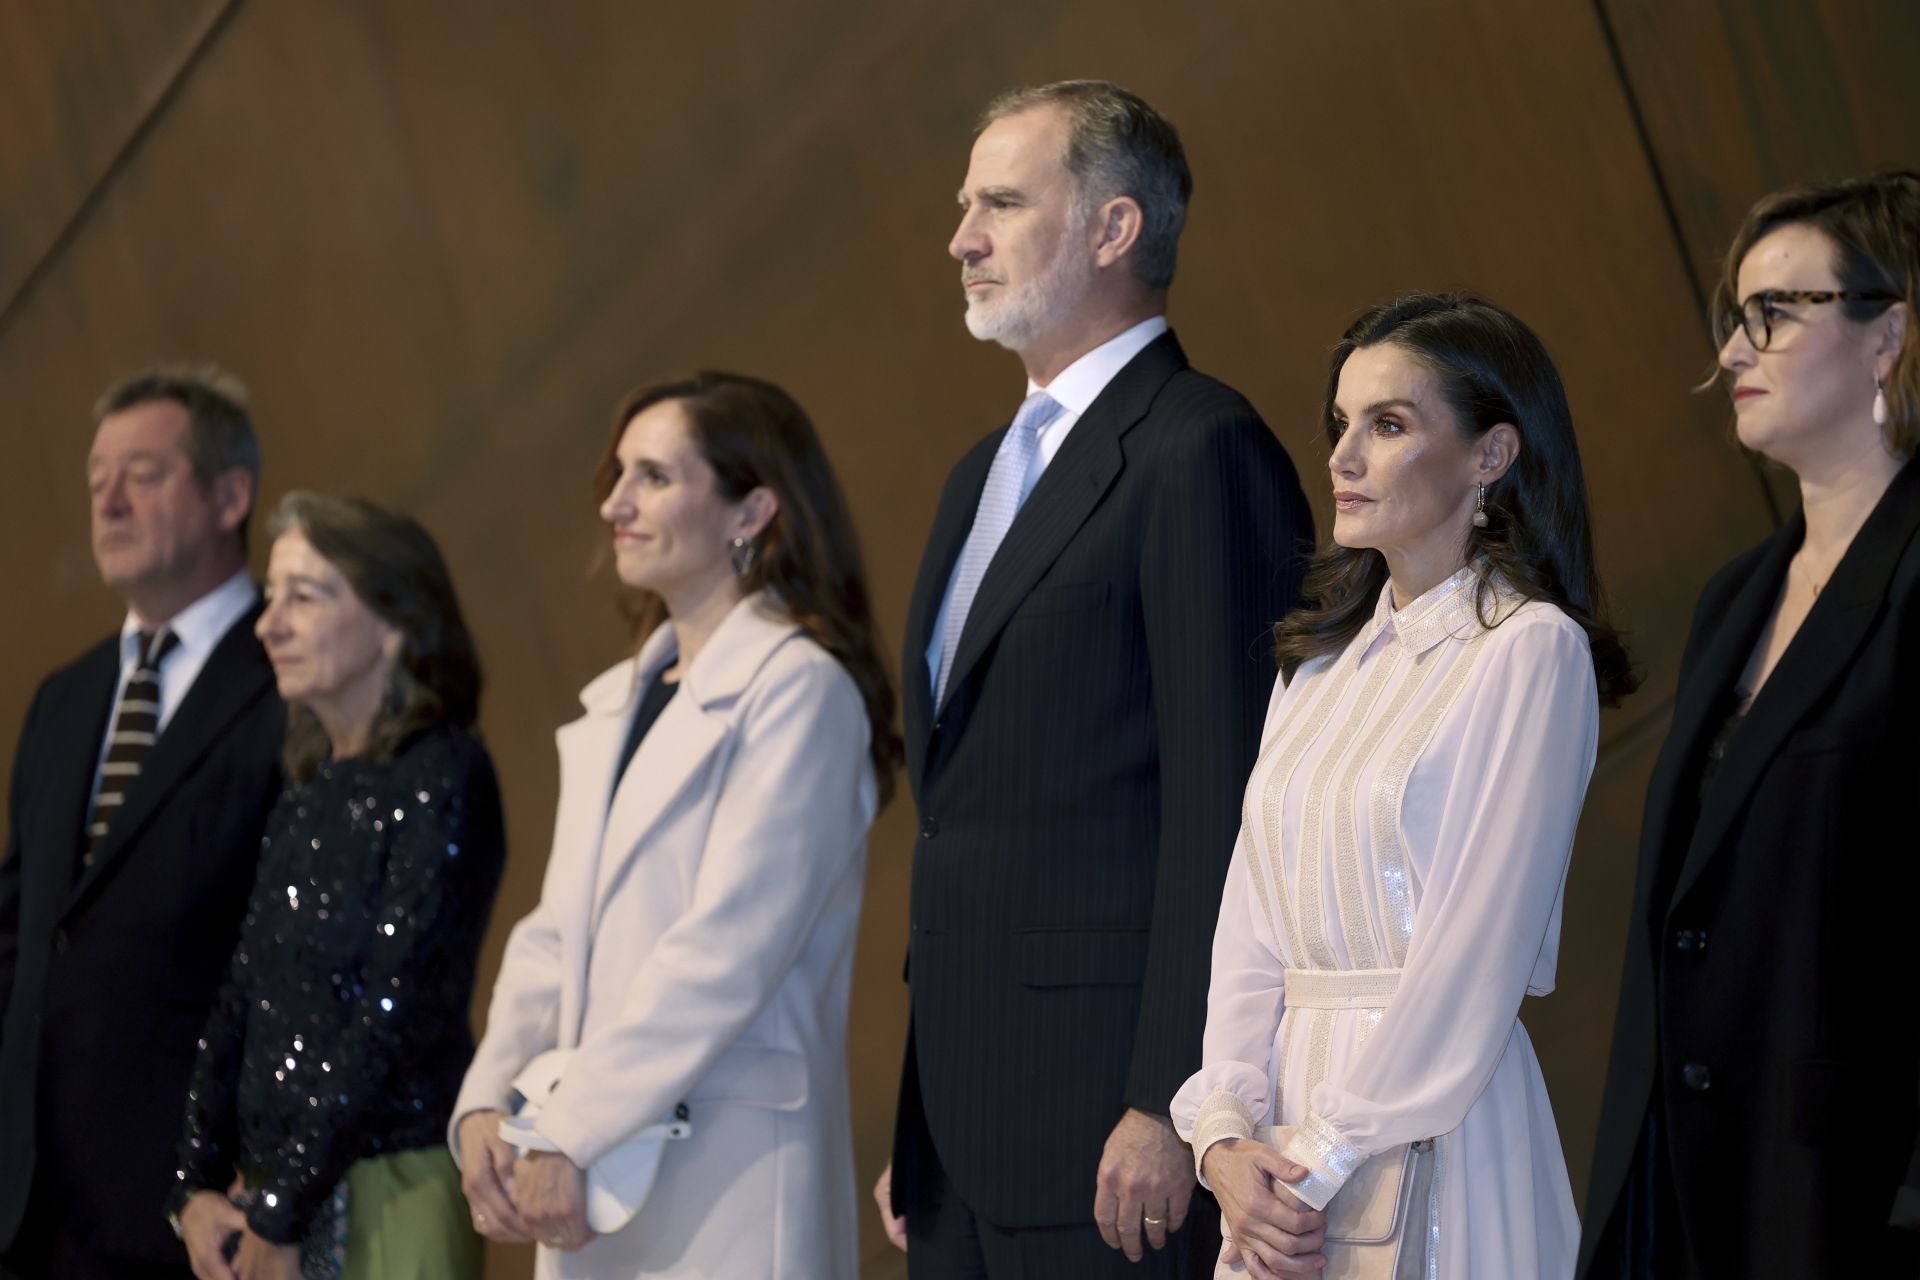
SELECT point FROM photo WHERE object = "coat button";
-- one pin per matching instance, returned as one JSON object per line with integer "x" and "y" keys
{"x": 60, "y": 940}
{"x": 929, "y": 828}
{"x": 1696, "y": 1077}
{"x": 1690, "y": 940}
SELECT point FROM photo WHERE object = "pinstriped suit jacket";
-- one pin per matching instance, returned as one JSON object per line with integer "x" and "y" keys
{"x": 107, "y": 977}
{"x": 1079, "y": 789}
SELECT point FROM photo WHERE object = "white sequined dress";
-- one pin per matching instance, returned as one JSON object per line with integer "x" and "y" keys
{"x": 1404, "y": 846}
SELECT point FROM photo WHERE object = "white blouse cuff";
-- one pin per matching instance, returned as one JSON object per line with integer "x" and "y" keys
{"x": 520, "y": 1133}
{"x": 1225, "y": 1114}
{"x": 1329, "y": 1158}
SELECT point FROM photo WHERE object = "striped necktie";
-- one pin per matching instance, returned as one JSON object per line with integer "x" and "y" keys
{"x": 135, "y": 729}
{"x": 1000, "y": 501}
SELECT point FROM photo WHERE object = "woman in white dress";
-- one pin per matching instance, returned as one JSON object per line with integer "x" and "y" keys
{"x": 692, "y": 951}
{"x": 1396, "y": 886}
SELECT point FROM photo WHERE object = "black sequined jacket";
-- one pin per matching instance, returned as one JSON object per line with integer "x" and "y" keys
{"x": 342, "y": 1030}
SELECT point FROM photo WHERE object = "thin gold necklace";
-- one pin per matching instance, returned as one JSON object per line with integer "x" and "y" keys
{"x": 1808, "y": 575}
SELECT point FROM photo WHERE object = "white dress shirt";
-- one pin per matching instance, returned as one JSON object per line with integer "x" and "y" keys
{"x": 1075, "y": 388}
{"x": 201, "y": 626}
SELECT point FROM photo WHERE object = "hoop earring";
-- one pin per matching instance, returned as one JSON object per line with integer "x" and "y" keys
{"x": 1480, "y": 507}
{"x": 742, "y": 552}
{"x": 1879, "y": 403}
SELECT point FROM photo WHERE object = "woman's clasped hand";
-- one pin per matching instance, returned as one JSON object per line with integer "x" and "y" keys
{"x": 1269, "y": 1229}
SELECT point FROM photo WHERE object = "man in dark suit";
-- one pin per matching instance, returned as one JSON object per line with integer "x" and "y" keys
{"x": 140, "y": 789}
{"x": 1087, "y": 668}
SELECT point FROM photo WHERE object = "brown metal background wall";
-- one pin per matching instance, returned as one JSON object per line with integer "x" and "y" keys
{"x": 439, "y": 240}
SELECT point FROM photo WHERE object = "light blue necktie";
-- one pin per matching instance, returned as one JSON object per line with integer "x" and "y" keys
{"x": 1006, "y": 489}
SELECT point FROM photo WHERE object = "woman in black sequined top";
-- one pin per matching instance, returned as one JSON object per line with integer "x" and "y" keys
{"x": 329, "y": 1066}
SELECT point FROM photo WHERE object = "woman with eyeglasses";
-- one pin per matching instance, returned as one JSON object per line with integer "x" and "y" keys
{"x": 1760, "y": 1107}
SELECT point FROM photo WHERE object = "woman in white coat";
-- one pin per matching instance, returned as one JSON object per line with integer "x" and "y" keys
{"x": 694, "y": 938}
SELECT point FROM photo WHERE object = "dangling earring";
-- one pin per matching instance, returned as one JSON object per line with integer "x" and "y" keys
{"x": 1480, "y": 507}
{"x": 743, "y": 552}
{"x": 1879, "y": 403}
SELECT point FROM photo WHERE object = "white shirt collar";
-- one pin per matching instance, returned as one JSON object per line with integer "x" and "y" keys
{"x": 1079, "y": 384}
{"x": 1444, "y": 610}
{"x": 201, "y": 625}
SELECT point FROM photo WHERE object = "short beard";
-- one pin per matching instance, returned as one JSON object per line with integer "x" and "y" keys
{"x": 1026, "y": 313}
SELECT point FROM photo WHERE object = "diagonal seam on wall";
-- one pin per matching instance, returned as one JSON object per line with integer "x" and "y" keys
{"x": 129, "y": 146}
{"x": 1671, "y": 212}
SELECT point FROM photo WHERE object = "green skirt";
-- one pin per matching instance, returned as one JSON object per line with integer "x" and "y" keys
{"x": 407, "y": 1220}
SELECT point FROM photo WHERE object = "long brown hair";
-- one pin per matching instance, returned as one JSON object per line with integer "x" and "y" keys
{"x": 396, "y": 570}
{"x": 751, "y": 433}
{"x": 1538, "y": 539}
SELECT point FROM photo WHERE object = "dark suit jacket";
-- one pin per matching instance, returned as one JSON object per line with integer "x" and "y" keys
{"x": 1769, "y": 984}
{"x": 108, "y": 979}
{"x": 1079, "y": 790}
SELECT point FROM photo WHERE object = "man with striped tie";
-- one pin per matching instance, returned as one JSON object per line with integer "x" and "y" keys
{"x": 140, "y": 787}
{"x": 1087, "y": 667}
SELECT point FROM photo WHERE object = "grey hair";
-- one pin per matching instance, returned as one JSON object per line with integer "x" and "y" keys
{"x": 1117, "y": 145}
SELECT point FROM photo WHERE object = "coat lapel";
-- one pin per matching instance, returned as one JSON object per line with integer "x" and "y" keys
{"x": 235, "y": 676}
{"x": 951, "y": 524}
{"x": 589, "y": 748}
{"x": 73, "y": 759}
{"x": 672, "y": 756}
{"x": 1067, "y": 492}
{"x": 1819, "y": 655}
{"x": 692, "y": 728}
{"x": 1700, "y": 700}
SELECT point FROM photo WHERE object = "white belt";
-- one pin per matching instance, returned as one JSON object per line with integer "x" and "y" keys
{"x": 1340, "y": 988}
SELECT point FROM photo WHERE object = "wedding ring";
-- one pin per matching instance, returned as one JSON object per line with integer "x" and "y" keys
{"x": 1152, "y": 1221}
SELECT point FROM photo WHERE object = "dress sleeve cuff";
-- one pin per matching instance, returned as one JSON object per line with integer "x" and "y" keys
{"x": 1223, "y": 1115}
{"x": 1329, "y": 1158}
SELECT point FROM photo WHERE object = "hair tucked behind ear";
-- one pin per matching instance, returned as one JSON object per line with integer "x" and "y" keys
{"x": 1538, "y": 540}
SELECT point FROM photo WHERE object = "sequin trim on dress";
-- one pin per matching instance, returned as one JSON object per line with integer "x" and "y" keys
{"x": 1319, "y": 1048}
{"x": 1319, "y": 953}
{"x": 1355, "y": 924}
{"x": 1390, "y": 792}
{"x": 1341, "y": 988}
{"x": 1440, "y": 1146}
{"x": 1286, "y": 753}
{"x": 1329, "y": 1158}
{"x": 1225, "y": 1114}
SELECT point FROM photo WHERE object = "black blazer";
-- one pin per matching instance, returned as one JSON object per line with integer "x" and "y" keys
{"x": 1769, "y": 984}
{"x": 108, "y": 980}
{"x": 1079, "y": 790}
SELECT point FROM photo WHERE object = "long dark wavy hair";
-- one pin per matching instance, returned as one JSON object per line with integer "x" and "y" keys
{"x": 396, "y": 570}
{"x": 1538, "y": 539}
{"x": 751, "y": 433}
